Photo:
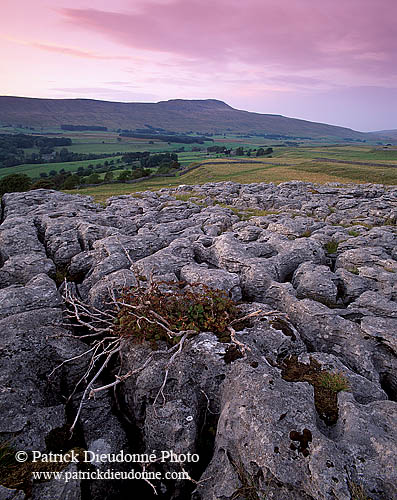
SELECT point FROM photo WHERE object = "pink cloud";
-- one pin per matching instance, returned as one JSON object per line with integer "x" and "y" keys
{"x": 355, "y": 34}
{"x": 75, "y": 52}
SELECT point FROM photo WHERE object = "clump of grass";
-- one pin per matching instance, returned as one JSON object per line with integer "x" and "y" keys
{"x": 186, "y": 197}
{"x": 150, "y": 314}
{"x": 335, "y": 382}
{"x": 326, "y": 385}
{"x": 354, "y": 270}
{"x": 354, "y": 233}
{"x": 306, "y": 234}
{"x": 357, "y": 491}
{"x": 331, "y": 246}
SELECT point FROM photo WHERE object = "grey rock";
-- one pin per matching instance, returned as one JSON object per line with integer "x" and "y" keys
{"x": 317, "y": 283}
{"x": 213, "y": 278}
{"x": 237, "y": 401}
{"x": 38, "y": 293}
{"x": 59, "y": 488}
{"x": 352, "y": 285}
{"x": 374, "y": 304}
{"x": 169, "y": 260}
{"x": 116, "y": 282}
{"x": 9, "y": 494}
{"x": 20, "y": 269}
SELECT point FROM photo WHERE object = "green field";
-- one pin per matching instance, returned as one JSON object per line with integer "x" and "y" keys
{"x": 263, "y": 171}
{"x": 34, "y": 170}
{"x": 306, "y": 162}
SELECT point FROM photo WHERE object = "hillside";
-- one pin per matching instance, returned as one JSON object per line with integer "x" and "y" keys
{"x": 179, "y": 115}
{"x": 386, "y": 134}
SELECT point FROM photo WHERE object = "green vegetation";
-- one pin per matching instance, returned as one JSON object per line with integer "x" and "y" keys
{"x": 163, "y": 311}
{"x": 335, "y": 382}
{"x": 331, "y": 246}
{"x": 238, "y": 157}
{"x": 34, "y": 170}
{"x": 326, "y": 385}
{"x": 14, "y": 183}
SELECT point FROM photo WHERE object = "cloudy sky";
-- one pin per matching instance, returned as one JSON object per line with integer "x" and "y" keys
{"x": 323, "y": 60}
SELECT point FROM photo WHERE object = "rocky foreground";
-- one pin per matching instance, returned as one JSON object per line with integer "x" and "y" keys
{"x": 318, "y": 262}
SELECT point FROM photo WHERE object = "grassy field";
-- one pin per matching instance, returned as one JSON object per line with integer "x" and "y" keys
{"x": 308, "y": 162}
{"x": 264, "y": 171}
{"x": 34, "y": 170}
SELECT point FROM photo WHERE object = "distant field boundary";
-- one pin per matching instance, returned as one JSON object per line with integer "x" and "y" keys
{"x": 351, "y": 162}
{"x": 185, "y": 171}
{"x": 226, "y": 162}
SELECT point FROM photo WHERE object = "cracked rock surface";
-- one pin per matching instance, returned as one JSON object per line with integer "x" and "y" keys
{"x": 319, "y": 263}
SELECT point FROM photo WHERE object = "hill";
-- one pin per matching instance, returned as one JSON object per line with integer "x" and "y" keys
{"x": 385, "y": 134}
{"x": 203, "y": 116}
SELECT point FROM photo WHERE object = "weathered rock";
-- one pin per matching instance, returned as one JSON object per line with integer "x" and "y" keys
{"x": 20, "y": 269}
{"x": 113, "y": 283}
{"x": 59, "y": 488}
{"x": 257, "y": 434}
{"x": 317, "y": 283}
{"x": 170, "y": 260}
{"x": 213, "y": 278}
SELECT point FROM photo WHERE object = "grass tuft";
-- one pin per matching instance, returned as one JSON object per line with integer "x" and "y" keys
{"x": 335, "y": 382}
{"x": 331, "y": 246}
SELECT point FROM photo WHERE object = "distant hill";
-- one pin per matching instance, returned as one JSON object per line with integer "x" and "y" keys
{"x": 204, "y": 116}
{"x": 385, "y": 134}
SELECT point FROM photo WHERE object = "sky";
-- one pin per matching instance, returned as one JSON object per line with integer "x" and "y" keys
{"x": 331, "y": 61}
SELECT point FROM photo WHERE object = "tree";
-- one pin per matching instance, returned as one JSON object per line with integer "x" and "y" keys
{"x": 263, "y": 152}
{"x": 43, "y": 175}
{"x": 44, "y": 184}
{"x": 14, "y": 183}
{"x": 108, "y": 176}
{"x": 93, "y": 179}
{"x": 240, "y": 151}
{"x": 52, "y": 173}
{"x": 71, "y": 182}
{"x": 125, "y": 175}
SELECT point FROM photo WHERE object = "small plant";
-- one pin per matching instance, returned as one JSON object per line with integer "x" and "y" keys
{"x": 335, "y": 382}
{"x": 163, "y": 310}
{"x": 354, "y": 233}
{"x": 354, "y": 270}
{"x": 357, "y": 491}
{"x": 331, "y": 246}
{"x": 326, "y": 385}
